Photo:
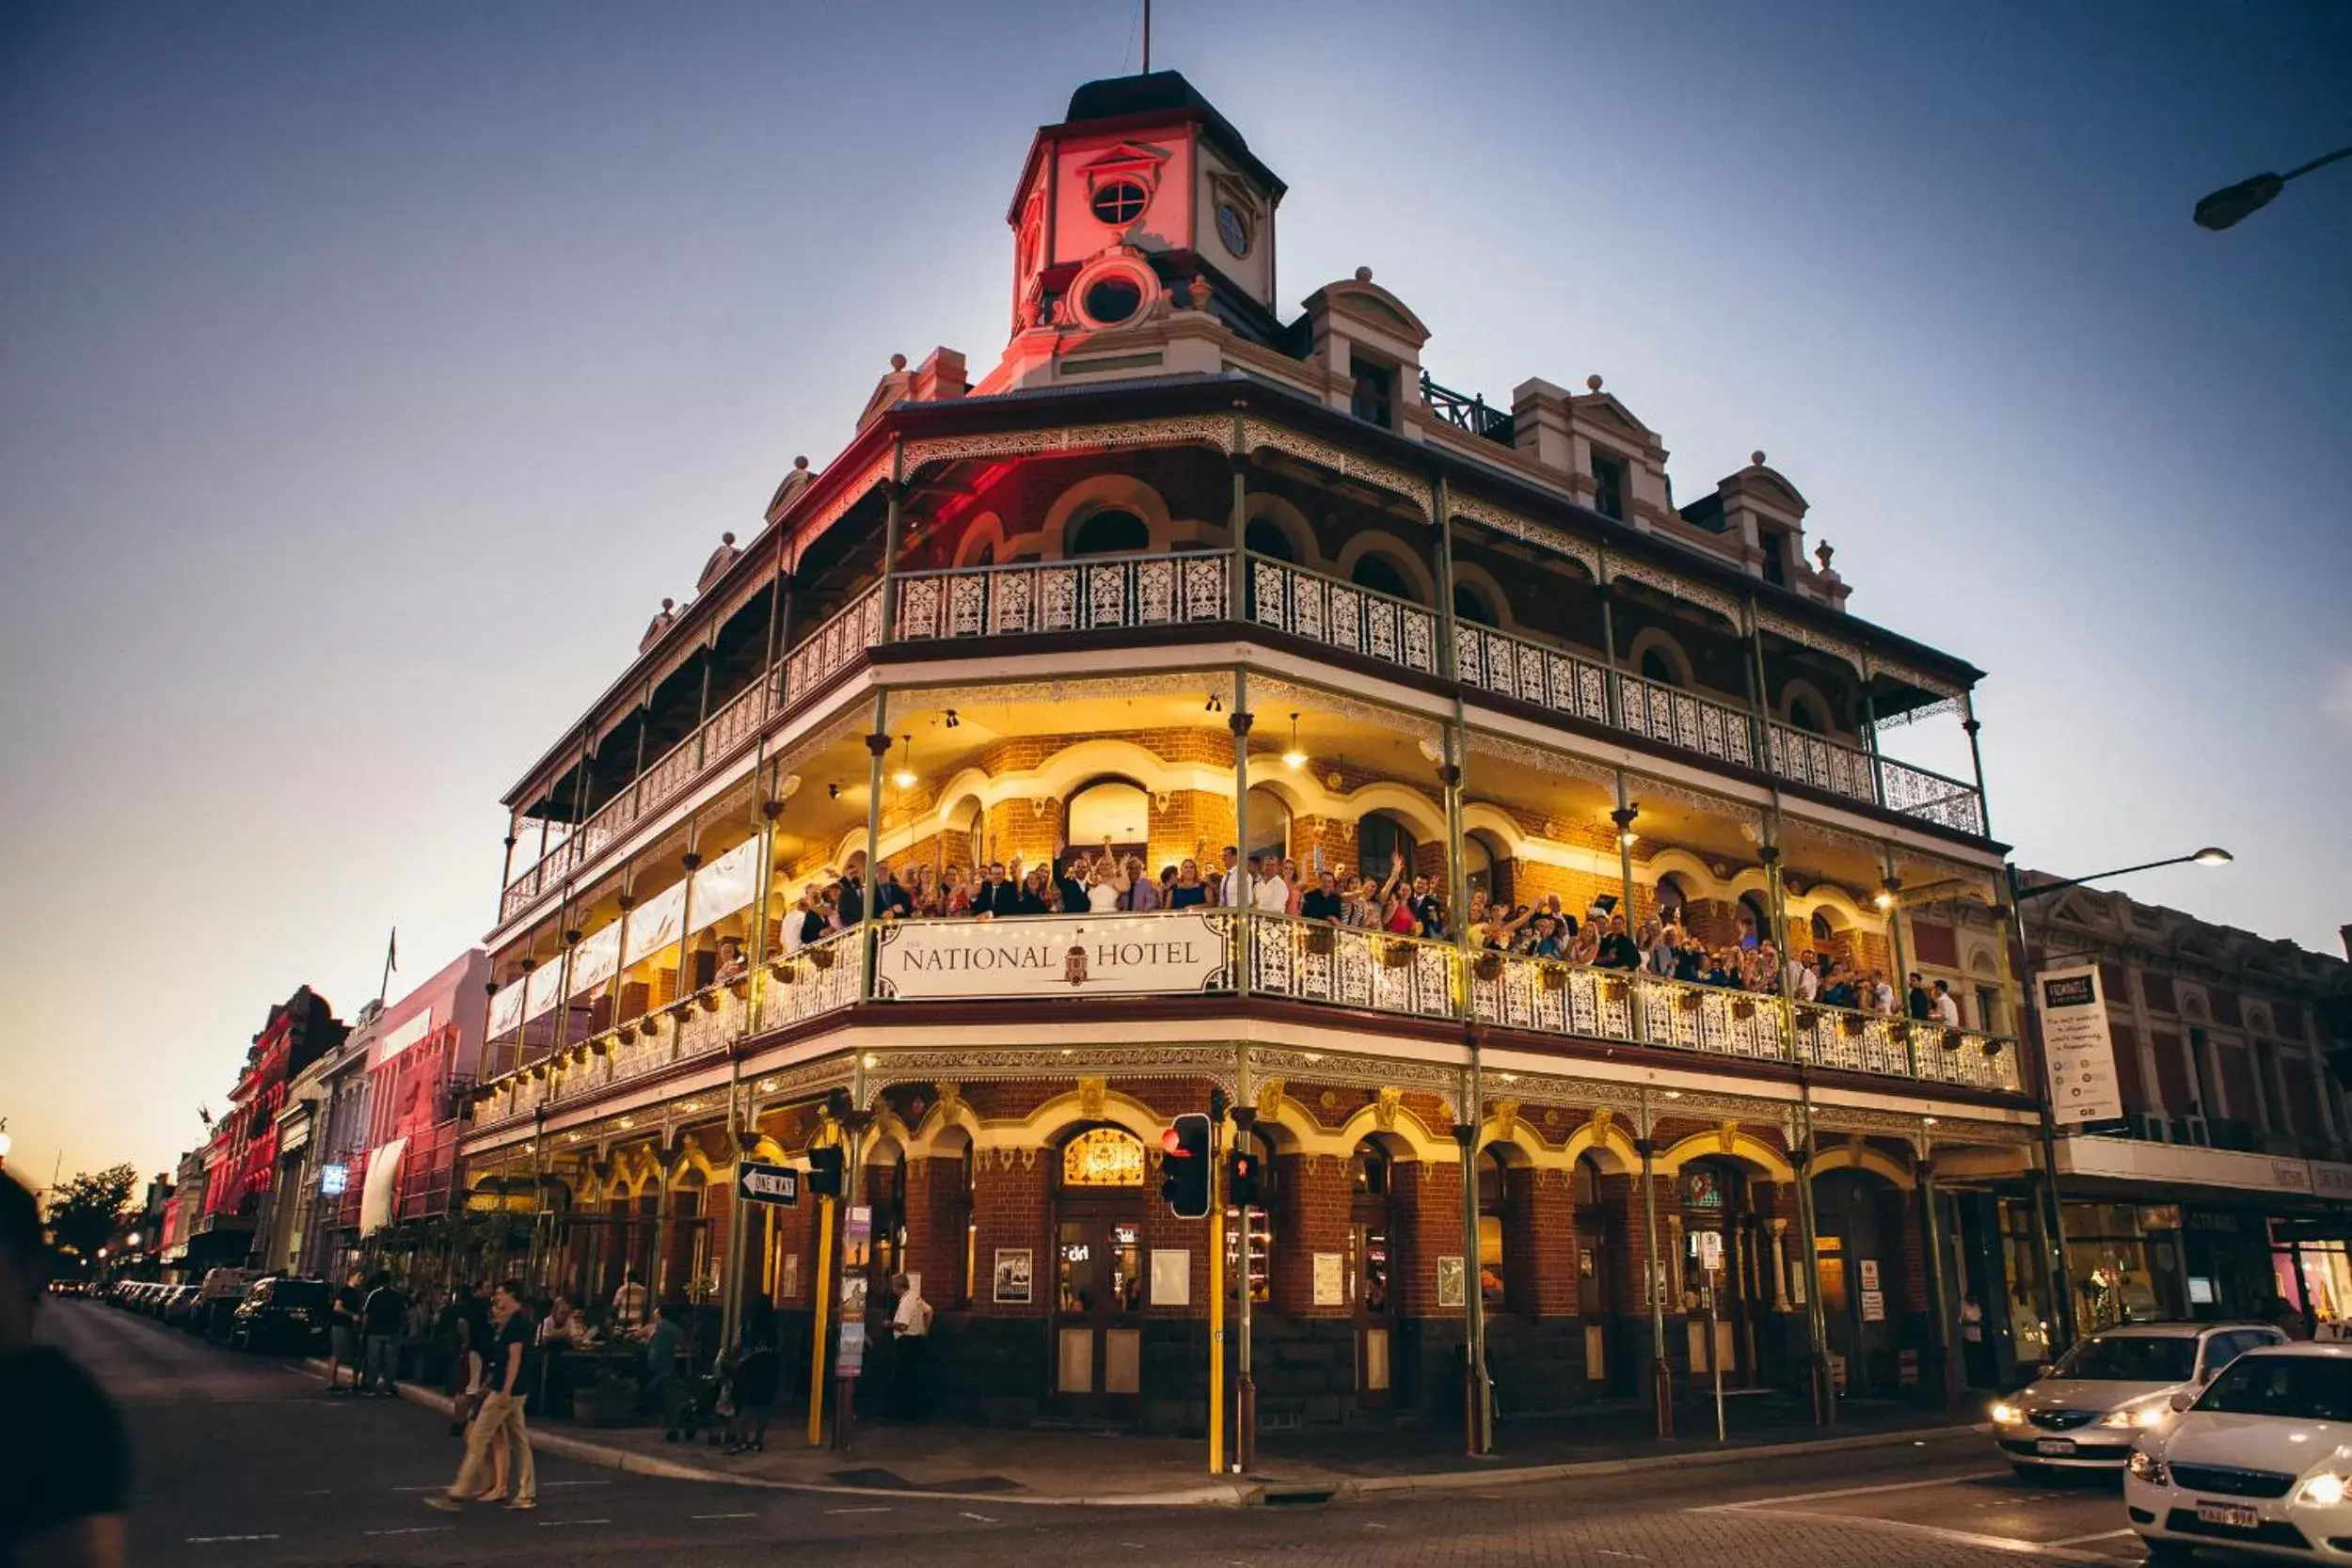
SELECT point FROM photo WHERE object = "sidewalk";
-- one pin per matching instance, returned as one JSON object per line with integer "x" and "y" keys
{"x": 1046, "y": 1466}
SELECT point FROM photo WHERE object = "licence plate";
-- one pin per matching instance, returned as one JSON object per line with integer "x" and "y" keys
{"x": 2055, "y": 1445}
{"x": 2234, "y": 1515}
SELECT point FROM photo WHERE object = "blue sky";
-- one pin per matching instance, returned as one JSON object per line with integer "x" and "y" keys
{"x": 367, "y": 374}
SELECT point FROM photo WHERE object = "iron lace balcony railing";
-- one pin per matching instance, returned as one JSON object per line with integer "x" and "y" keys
{"x": 1343, "y": 615}
{"x": 1086, "y": 595}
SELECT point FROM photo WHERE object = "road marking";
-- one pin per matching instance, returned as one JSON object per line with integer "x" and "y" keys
{"x": 548, "y": 1483}
{"x": 1848, "y": 1492}
{"x": 882, "y": 1510}
{"x": 981, "y": 1517}
{"x": 560, "y": 1524}
{"x": 1936, "y": 1532}
{"x": 1604, "y": 1551}
{"x": 210, "y": 1540}
{"x": 413, "y": 1530}
{"x": 725, "y": 1515}
{"x": 2096, "y": 1535}
{"x": 320, "y": 1492}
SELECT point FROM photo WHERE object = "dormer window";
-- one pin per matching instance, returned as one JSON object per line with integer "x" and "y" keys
{"x": 1374, "y": 400}
{"x": 1609, "y": 486}
{"x": 1776, "y": 559}
{"x": 1120, "y": 203}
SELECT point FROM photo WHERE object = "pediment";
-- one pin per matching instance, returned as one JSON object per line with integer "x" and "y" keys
{"x": 1124, "y": 157}
{"x": 1605, "y": 408}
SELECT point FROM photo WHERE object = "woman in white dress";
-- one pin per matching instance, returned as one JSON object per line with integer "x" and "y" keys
{"x": 1106, "y": 882}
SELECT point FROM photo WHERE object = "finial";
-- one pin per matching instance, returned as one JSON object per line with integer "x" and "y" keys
{"x": 666, "y": 604}
{"x": 1198, "y": 291}
{"x": 1364, "y": 274}
{"x": 1822, "y": 552}
{"x": 897, "y": 362}
{"x": 799, "y": 462}
{"x": 1591, "y": 384}
{"x": 727, "y": 539}
{"x": 1756, "y": 457}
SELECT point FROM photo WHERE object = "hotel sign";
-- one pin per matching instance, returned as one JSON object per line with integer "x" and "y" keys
{"x": 1143, "y": 954}
{"x": 2080, "y": 1052}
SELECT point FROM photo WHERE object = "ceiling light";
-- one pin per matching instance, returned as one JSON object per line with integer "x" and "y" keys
{"x": 952, "y": 720}
{"x": 904, "y": 777}
{"x": 1214, "y": 705}
{"x": 1294, "y": 759}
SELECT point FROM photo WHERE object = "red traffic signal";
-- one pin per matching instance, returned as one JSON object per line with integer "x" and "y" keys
{"x": 1244, "y": 1173}
{"x": 1184, "y": 1166}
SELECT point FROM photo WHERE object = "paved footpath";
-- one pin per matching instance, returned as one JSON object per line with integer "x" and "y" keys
{"x": 244, "y": 1460}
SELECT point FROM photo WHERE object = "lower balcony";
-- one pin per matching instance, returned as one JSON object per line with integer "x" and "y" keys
{"x": 1205, "y": 953}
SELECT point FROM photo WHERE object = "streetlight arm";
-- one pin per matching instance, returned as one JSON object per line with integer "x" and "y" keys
{"x": 2320, "y": 162}
{"x": 2039, "y": 889}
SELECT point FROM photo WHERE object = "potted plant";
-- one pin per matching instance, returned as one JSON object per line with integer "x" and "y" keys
{"x": 1743, "y": 1007}
{"x": 1488, "y": 966}
{"x": 1688, "y": 1001}
{"x": 1555, "y": 976}
{"x": 822, "y": 955}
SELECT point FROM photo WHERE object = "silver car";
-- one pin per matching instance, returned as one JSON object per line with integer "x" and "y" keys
{"x": 2084, "y": 1413}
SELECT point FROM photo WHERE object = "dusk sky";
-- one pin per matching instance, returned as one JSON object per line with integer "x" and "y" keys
{"x": 369, "y": 373}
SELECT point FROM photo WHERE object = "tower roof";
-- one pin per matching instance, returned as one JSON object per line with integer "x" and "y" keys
{"x": 1162, "y": 95}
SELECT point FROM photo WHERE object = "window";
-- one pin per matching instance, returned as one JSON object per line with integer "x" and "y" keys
{"x": 1232, "y": 227}
{"x": 1775, "y": 557}
{"x": 1111, "y": 532}
{"x": 1269, "y": 824}
{"x": 1113, "y": 809}
{"x": 1988, "y": 1007}
{"x": 1609, "y": 486}
{"x": 1804, "y": 716}
{"x": 1380, "y": 575}
{"x": 1374, "y": 399}
{"x": 1112, "y": 299}
{"x": 1265, "y": 537}
{"x": 1377, "y": 837}
{"x": 1102, "y": 1157}
{"x": 1120, "y": 203}
{"x": 1472, "y": 606}
{"x": 1493, "y": 1202}
{"x": 1657, "y": 667}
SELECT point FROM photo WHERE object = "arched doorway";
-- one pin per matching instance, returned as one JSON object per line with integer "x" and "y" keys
{"x": 1481, "y": 867}
{"x": 1378, "y": 837}
{"x": 1596, "y": 1279}
{"x": 1269, "y": 824}
{"x": 1265, "y": 537}
{"x": 1858, "y": 1240}
{"x": 1115, "y": 809}
{"x": 1380, "y": 575}
{"x": 1371, "y": 1226}
{"x": 1716, "y": 1200}
{"x": 1110, "y": 532}
{"x": 1099, "y": 1280}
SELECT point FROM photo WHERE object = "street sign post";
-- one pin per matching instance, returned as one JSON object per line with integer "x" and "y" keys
{"x": 758, "y": 1184}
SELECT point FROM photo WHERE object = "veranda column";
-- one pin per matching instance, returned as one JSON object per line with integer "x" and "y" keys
{"x": 876, "y": 748}
{"x": 1237, "y": 528}
{"x": 1760, "y": 711}
{"x": 1440, "y": 514}
{"x": 1239, "y": 722}
{"x": 1653, "y": 1277}
{"x": 891, "y": 523}
{"x": 1891, "y": 887}
{"x": 1607, "y": 590}
{"x": 1940, "y": 1314}
{"x": 1976, "y": 761}
{"x": 1801, "y": 1154}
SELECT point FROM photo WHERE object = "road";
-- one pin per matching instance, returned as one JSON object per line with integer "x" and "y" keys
{"x": 243, "y": 1462}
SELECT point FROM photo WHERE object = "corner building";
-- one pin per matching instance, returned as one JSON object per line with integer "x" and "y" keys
{"x": 1180, "y": 573}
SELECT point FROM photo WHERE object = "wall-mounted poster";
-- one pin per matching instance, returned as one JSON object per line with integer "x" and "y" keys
{"x": 1171, "y": 1276}
{"x": 1331, "y": 1279}
{"x": 1012, "y": 1276}
{"x": 1873, "y": 1307}
{"x": 1869, "y": 1274}
{"x": 1451, "y": 1288}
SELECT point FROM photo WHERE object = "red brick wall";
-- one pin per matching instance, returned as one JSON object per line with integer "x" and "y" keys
{"x": 1428, "y": 1208}
{"x": 1539, "y": 1243}
{"x": 935, "y": 1227}
{"x": 1009, "y": 1203}
{"x": 1313, "y": 1211}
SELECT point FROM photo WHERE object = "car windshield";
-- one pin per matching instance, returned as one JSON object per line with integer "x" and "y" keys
{"x": 298, "y": 1292}
{"x": 2300, "y": 1387}
{"x": 2131, "y": 1358}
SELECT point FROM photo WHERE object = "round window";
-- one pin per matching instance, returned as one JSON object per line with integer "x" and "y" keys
{"x": 1120, "y": 203}
{"x": 1113, "y": 299}
{"x": 1232, "y": 227}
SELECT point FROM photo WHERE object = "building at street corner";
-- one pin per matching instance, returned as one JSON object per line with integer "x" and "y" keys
{"x": 2226, "y": 1183}
{"x": 1180, "y": 570}
{"x": 241, "y": 1220}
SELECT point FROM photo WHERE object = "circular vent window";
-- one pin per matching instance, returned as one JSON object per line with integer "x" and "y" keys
{"x": 1113, "y": 299}
{"x": 1120, "y": 203}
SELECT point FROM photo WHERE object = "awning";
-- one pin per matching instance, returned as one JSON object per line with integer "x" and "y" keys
{"x": 382, "y": 1191}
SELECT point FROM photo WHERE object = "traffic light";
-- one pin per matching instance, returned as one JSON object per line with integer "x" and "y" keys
{"x": 824, "y": 1170}
{"x": 1184, "y": 1166}
{"x": 1245, "y": 1170}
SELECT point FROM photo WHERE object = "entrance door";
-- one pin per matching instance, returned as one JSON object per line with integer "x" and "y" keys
{"x": 1097, "y": 1310}
{"x": 1595, "y": 1282}
{"x": 1714, "y": 1203}
{"x": 1371, "y": 1279}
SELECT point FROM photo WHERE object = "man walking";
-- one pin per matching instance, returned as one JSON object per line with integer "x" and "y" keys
{"x": 909, "y": 1335}
{"x": 383, "y": 1317}
{"x": 502, "y": 1417}
{"x": 342, "y": 1335}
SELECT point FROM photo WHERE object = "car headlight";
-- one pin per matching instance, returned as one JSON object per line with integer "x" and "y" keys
{"x": 2148, "y": 1467}
{"x": 2142, "y": 1415}
{"x": 2325, "y": 1489}
{"x": 2005, "y": 1413}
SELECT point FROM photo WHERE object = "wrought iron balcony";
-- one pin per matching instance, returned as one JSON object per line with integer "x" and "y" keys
{"x": 1466, "y": 412}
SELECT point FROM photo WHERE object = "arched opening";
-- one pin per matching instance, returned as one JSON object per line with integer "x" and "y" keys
{"x": 1472, "y": 606}
{"x": 1483, "y": 869}
{"x": 1115, "y": 809}
{"x": 1720, "y": 1223}
{"x": 1596, "y": 1280}
{"x": 1110, "y": 531}
{"x": 1805, "y": 714}
{"x": 1264, "y": 537}
{"x": 1756, "y": 923}
{"x": 1380, "y": 837}
{"x": 1098, "y": 1277}
{"x": 1269, "y": 824}
{"x": 1657, "y": 667}
{"x": 1494, "y": 1209}
{"x": 1371, "y": 1224}
{"x": 1379, "y": 574}
{"x": 1858, "y": 1229}
{"x": 1674, "y": 899}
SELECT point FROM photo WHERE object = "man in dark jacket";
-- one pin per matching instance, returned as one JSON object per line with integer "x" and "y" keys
{"x": 383, "y": 1318}
{"x": 994, "y": 895}
{"x": 1617, "y": 949}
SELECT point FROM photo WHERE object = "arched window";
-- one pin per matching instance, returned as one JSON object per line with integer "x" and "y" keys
{"x": 1264, "y": 537}
{"x": 1472, "y": 606}
{"x": 1478, "y": 866}
{"x": 1379, "y": 574}
{"x": 1378, "y": 837}
{"x": 1754, "y": 924}
{"x": 1657, "y": 667}
{"x": 1494, "y": 1203}
{"x": 1822, "y": 929}
{"x": 1111, "y": 532}
{"x": 1803, "y": 715}
{"x": 1115, "y": 809}
{"x": 1269, "y": 824}
{"x": 1672, "y": 899}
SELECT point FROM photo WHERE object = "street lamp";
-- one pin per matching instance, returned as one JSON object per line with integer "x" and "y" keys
{"x": 2062, "y": 1284}
{"x": 2234, "y": 204}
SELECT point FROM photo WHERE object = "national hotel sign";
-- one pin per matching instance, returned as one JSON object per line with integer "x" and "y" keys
{"x": 1156, "y": 955}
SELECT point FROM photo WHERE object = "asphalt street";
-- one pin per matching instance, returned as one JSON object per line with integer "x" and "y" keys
{"x": 245, "y": 1460}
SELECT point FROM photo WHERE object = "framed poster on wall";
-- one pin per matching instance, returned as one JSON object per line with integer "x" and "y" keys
{"x": 1451, "y": 1291}
{"x": 1012, "y": 1276}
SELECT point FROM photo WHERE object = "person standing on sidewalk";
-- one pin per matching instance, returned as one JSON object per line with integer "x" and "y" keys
{"x": 342, "y": 1335}
{"x": 909, "y": 1335}
{"x": 502, "y": 1417}
{"x": 383, "y": 1318}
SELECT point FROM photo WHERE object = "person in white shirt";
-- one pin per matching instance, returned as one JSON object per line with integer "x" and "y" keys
{"x": 1808, "y": 977}
{"x": 628, "y": 1301}
{"x": 1268, "y": 892}
{"x": 1946, "y": 1006}
{"x": 1233, "y": 889}
{"x": 910, "y": 1344}
{"x": 1882, "y": 993}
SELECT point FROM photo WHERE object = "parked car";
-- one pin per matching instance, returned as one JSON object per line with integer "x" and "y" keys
{"x": 2254, "y": 1461}
{"x": 2087, "y": 1411}
{"x": 179, "y": 1306}
{"x": 282, "y": 1312}
{"x": 216, "y": 1300}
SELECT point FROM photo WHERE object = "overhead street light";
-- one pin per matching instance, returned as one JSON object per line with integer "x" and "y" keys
{"x": 2063, "y": 1285}
{"x": 2234, "y": 204}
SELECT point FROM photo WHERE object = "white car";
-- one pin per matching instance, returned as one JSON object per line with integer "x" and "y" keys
{"x": 2261, "y": 1462}
{"x": 2086, "y": 1413}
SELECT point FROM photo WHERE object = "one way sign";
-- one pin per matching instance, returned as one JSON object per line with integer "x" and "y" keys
{"x": 758, "y": 1184}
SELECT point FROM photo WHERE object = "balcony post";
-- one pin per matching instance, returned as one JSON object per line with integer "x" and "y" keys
{"x": 1870, "y": 742}
{"x": 1239, "y": 722}
{"x": 1456, "y": 866}
{"x": 1443, "y": 516}
{"x": 1894, "y": 886}
{"x": 756, "y": 997}
{"x": 1237, "y": 526}
{"x": 779, "y": 634}
{"x": 702, "y": 701}
{"x": 1800, "y": 1153}
{"x": 1759, "y": 716}
{"x": 893, "y": 521}
{"x": 573, "y": 847}
{"x": 876, "y": 748}
{"x": 1662, "y": 1380}
{"x": 692, "y": 861}
{"x": 1940, "y": 1313}
{"x": 1606, "y": 588}
{"x": 1976, "y": 760}
{"x": 636, "y": 769}
{"x": 563, "y": 1008}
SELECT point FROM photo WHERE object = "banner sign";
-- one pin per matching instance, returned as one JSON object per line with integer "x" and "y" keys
{"x": 594, "y": 960}
{"x": 2078, "y": 1046}
{"x": 1066, "y": 956}
{"x": 539, "y": 990}
{"x": 654, "y": 925}
{"x": 726, "y": 885}
{"x": 506, "y": 1009}
{"x": 401, "y": 1038}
